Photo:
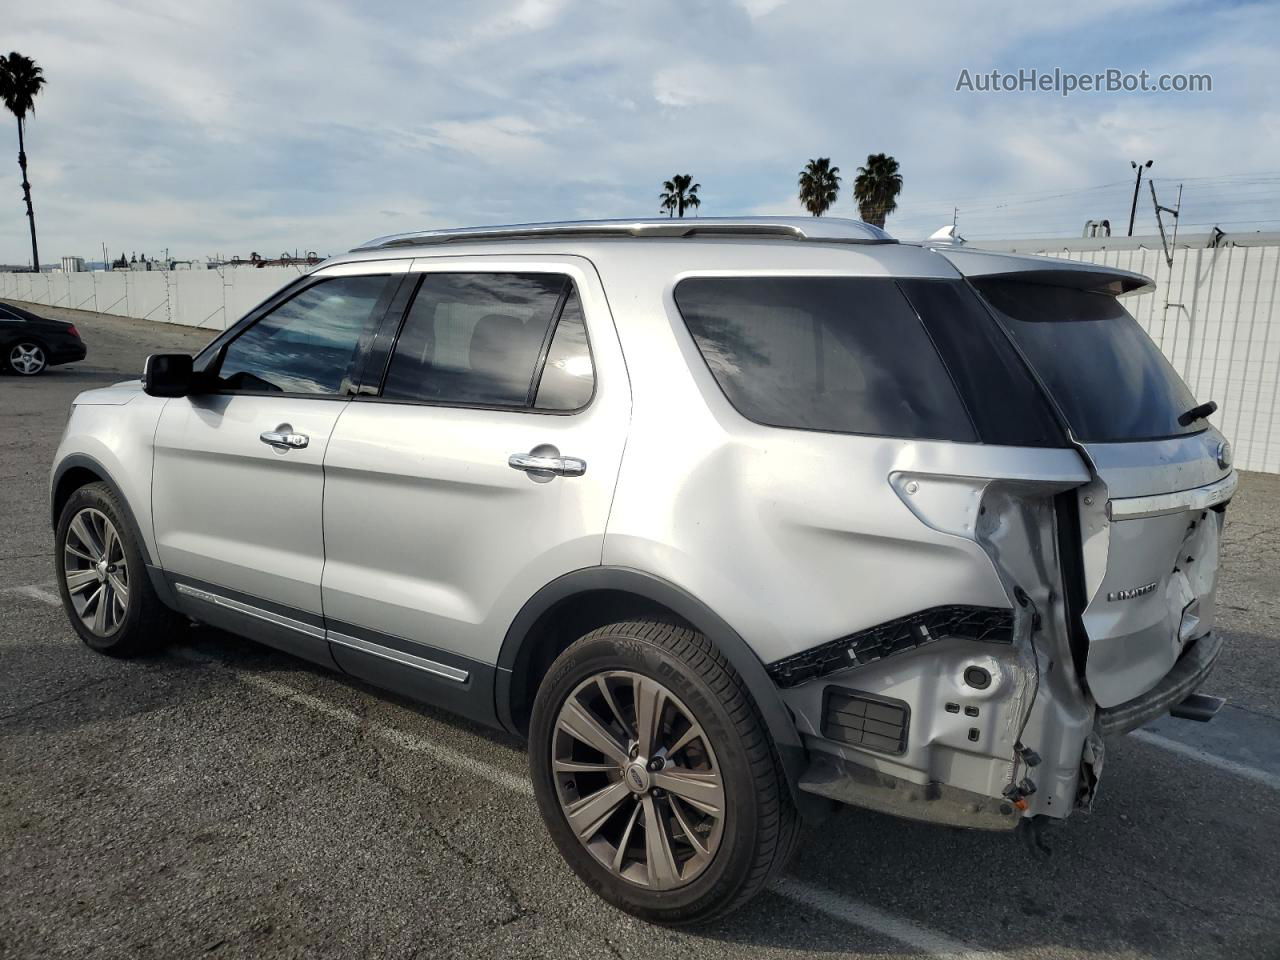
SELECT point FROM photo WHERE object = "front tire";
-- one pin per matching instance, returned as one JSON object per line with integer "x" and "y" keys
{"x": 103, "y": 580}
{"x": 656, "y": 775}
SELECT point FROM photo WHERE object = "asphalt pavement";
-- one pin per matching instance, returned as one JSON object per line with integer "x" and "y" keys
{"x": 226, "y": 800}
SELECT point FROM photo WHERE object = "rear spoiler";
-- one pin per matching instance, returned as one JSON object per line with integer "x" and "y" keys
{"x": 1046, "y": 270}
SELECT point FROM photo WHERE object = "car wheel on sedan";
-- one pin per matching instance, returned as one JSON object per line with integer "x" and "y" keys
{"x": 103, "y": 580}
{"x": 27, "y": 358}
{"x": 656, "y": 775}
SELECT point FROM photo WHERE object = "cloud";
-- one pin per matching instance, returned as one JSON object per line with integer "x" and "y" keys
{"x": 760, "y": 8}
{"x": 492, "y": 139}
{"x": 690, "y": 85}
{"x": 237, "y": 126}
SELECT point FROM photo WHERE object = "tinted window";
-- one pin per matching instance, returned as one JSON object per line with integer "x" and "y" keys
{"x": 308, "y": 344}
{"x": 847, "y": 355}
{"x": 474, "y": 338}
{"x": 1110, "y": 380}
{"x": 568, "y": 377}
{"x": 1002, "y": 397}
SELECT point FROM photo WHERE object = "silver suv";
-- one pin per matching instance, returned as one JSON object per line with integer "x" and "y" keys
{"x": 731, "y": 519}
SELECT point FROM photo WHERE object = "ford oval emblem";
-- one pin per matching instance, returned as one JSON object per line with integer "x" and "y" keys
{"x": 1224, "y": 454}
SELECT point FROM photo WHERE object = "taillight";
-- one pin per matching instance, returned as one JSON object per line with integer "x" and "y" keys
{"x": 71, "y": 329}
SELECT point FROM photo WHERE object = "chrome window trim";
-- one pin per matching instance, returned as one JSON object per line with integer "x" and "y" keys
{"x": 1197, "y": 498}
{"x": 398, "y": 656}
{"x": 250, "y": 611}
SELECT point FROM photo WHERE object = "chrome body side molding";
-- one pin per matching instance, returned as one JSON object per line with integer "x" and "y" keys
{"x": 399, "y": 656}
{"x": 318, "y": 633}
{"x": 218, "y": 600}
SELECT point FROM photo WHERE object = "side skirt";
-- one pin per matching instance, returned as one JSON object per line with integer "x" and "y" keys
{"x": 414, "y": 670}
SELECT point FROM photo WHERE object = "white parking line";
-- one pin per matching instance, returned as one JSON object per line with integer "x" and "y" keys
{"x": 37, "y": 591}
{"x": 406, "y": 741}
{"x": 873, "y": 918}
{"x": 1263, "y": 777}
{"x": 835, "y": 906}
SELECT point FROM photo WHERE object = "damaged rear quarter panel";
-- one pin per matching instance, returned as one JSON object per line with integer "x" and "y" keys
{"x": 1034, "y": 697}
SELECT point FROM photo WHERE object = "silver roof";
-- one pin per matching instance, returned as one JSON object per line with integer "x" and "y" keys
{"x": 829, "y": 229}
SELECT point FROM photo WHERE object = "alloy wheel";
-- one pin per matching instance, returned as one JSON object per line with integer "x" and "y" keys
{"x": 27, "y": 359}
{"x": 95, "y": 571}
{"x": 637, "y": 780}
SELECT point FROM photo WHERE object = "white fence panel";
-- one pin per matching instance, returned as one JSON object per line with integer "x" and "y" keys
{"x": 148, "y": 295}
{"x": 113, "y": 293}
{"x": 196, "y": 298}
{"x": 213, "y": 299}
{"x": 59, "y": 289}
{"x": 82, "y": 292}
{"x": 248, "y": 287}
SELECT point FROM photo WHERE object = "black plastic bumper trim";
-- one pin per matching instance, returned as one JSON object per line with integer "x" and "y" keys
{"x": 1179, "y": 683}
{"x": 983, "y": 624}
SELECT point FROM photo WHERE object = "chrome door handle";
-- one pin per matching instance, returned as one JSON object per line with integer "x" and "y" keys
{"x": 283, "y": 436}
{"x": 560, "y": 466}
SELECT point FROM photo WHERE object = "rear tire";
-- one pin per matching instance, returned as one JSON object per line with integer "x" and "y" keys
{"x": 712, "y": 852}
{"x": 26, "y": 358}
{"x": 103, "y": 580}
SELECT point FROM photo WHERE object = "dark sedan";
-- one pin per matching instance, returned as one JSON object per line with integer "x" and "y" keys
{"x": 30, "y": 344}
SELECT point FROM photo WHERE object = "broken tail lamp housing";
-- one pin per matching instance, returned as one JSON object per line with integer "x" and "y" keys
{"x": 982, "y": 624}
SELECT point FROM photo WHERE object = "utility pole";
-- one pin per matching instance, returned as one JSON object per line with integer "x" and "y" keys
{"x": 1168, "y": 245}
{"x": 1133, "y": 210}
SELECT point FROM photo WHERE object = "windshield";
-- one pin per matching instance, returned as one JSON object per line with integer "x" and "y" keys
{"x": 1110, "y": 380}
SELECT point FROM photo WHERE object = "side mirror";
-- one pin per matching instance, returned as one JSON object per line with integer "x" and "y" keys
{"x": 168, "y": 375}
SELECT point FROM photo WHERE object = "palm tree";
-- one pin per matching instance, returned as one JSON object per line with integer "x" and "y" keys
{"x": 877, "y": 187}
{"x": 679, "y": 194}
{"x": 819, "y": 185}
{"x": 20, "y": 82}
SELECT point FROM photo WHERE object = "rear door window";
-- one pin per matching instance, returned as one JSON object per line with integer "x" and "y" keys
{"x": 1109, "y": 379}
{"x": 493, "y": 340}
{"x": 837, "y": 354}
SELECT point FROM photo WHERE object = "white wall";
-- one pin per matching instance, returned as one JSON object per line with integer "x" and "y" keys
{"x": 1214, "y": 314}
{"x": 211, "y": 299}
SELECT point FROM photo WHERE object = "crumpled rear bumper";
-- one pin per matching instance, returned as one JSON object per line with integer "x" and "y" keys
{"x": 1186, "y": 676}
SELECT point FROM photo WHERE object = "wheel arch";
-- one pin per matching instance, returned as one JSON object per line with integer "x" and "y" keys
{"x": 78, "y": 470}
{"x": 578, "y": 602}
{"x": 13, "y": 339}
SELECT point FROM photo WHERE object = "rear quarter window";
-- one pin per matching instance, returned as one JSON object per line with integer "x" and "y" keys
{"x": 836, "y": 354}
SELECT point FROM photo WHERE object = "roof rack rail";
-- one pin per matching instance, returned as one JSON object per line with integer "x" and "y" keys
{"x": 827, "y": 229}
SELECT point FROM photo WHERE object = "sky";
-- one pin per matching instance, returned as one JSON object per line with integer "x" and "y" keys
{"x": 228, "y": 127}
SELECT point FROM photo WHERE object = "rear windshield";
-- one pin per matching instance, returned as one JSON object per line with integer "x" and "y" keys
{"x": 839, "y": 354}
{"x": 1110, "y": 381}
